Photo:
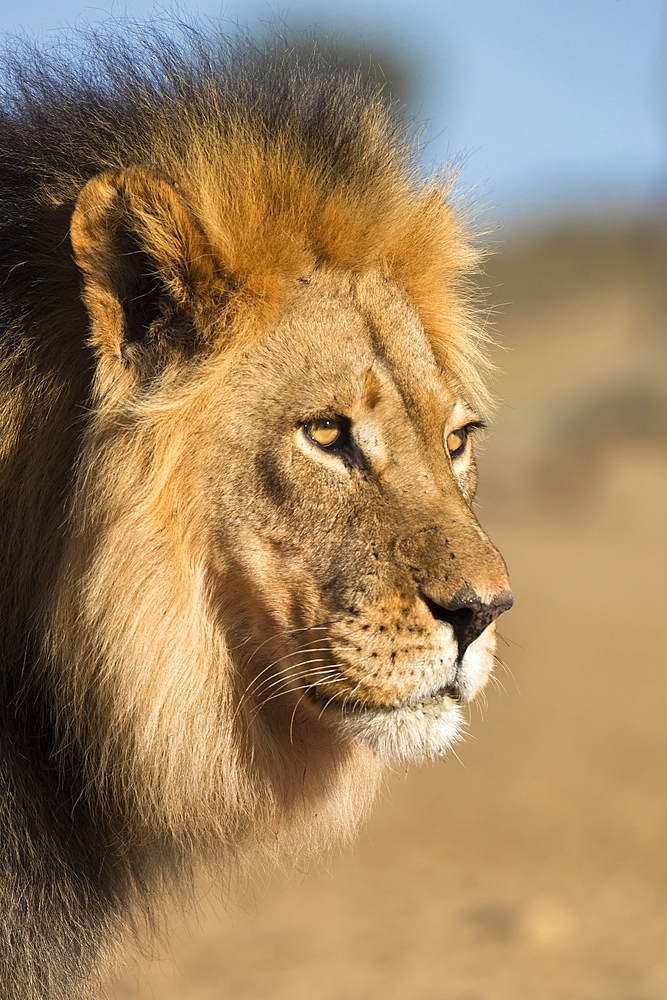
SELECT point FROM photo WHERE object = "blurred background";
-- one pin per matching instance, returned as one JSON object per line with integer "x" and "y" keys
{"x": 534, "y": 865}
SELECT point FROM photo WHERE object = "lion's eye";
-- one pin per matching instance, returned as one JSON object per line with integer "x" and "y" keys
{"x": 456, "y": 442}
{"x": 325, "y": 432}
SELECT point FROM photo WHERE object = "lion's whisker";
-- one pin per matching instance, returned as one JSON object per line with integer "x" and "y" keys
{"x": 285, "y": 675}
{"x": 294, "y": 671}
{"x": 253, "y": 688}
{"x": 281, "y": 694}
{"x": 292, "y": 632}
{"x": 297, "y": 649}
{"x": 273, "y": 663}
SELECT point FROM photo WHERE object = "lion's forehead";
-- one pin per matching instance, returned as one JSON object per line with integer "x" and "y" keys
{"x": 351, "y": 341}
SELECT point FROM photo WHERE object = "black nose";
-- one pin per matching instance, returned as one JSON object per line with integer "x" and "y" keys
{"x": 469, "y": 619}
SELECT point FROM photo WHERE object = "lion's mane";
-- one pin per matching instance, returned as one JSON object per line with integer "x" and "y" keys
{"x": 121, "y": 752}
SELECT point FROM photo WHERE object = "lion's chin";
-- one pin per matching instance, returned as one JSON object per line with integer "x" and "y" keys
{"x": 415, "y": 730}
{"x": 408, "y": 733}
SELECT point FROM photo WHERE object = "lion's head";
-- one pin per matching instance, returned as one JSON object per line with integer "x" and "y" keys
{"x": 282, "y": 485}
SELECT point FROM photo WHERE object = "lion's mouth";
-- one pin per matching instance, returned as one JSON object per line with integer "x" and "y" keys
{"x": 350, "y": 704}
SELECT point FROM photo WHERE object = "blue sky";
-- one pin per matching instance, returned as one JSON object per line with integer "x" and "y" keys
{"x": 549, "y": 104}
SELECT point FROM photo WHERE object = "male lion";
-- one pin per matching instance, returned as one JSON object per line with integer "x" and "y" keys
{"x": 240, "y": 568}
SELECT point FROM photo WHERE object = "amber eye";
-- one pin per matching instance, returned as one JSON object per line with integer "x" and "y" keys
{"x": 456, "y": 442}
{"x": 325, "y": 432}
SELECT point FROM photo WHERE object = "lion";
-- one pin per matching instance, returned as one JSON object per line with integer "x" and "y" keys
{"x": 241, "y": 573}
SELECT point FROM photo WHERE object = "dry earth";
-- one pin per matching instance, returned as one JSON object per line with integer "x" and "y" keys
{"x": 535, "y": 868}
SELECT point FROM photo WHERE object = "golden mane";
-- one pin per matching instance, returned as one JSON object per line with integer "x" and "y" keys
{"x": 112, "y": 709}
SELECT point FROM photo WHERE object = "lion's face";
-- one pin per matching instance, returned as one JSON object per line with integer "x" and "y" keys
{"x": 344, "y": 490}
{"x": 276, "y": 531}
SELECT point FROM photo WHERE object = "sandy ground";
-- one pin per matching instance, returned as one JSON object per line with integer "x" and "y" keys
{"x": 535, "y": 867}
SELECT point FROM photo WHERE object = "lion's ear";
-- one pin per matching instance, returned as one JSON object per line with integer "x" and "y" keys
{"x": 146, "y": 263}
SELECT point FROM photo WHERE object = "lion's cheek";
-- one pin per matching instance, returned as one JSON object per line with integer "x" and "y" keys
{"x": 276, "y": 581}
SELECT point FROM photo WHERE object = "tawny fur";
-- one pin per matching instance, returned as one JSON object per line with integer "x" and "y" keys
{"x": 126, "y": 744}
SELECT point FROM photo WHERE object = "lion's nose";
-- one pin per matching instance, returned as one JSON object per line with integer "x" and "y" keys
{"x": 469, "y": 618}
